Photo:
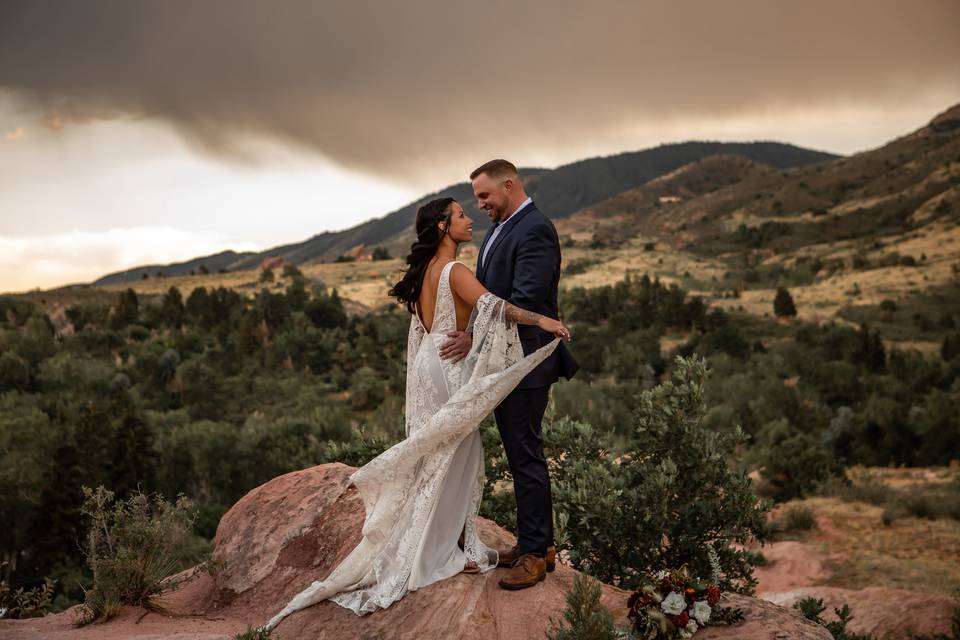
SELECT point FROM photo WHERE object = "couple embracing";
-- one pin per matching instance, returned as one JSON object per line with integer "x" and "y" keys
{"x": 477, "y": 343}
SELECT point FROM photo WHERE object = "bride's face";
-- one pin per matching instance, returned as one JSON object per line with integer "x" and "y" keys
{"x": 461, "y": 225}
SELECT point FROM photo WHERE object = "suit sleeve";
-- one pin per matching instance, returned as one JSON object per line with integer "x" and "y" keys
{"x": 534, "y": 266}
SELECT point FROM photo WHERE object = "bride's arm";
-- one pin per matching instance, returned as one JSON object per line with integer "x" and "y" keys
{"x": 466, "y": 287}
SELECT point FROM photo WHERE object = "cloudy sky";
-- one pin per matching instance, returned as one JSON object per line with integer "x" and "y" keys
{"x": 154, "y": 131}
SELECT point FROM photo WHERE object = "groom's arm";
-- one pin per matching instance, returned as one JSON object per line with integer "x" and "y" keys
{"x": 533, "y": 268}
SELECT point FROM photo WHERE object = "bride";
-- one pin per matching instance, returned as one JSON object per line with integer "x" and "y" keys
{"x": 422, "y": 495}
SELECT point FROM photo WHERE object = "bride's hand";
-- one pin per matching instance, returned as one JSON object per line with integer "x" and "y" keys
{"x": 555, "y": 327}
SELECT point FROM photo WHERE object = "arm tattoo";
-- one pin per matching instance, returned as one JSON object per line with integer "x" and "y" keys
{"x": 521, "y": 316}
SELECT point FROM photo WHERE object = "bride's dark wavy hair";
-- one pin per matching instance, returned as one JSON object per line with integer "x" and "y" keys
{"x": 407, "y": 290}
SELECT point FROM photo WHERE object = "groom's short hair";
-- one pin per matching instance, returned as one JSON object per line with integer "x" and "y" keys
{"x": 497, "y": 169}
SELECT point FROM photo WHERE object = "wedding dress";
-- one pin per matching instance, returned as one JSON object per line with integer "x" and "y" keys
{"x": 422, "y": 492}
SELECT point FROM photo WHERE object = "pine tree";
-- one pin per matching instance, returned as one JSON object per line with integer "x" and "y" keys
{"x": 56, "y": 531}
{"x": 134, "y": 462}
{"x": 171, "y": 309}
{"x": 783, "y": 306}
{"x": 871, "y": 352}
{"x": 127, "y": 309}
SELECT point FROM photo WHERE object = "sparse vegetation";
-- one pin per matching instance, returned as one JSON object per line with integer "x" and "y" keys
{"x": 585, "y": 617}
{"x": 132, "y": 546}
{"x": 811, "y": 608}
{"x": 797, "y": 518}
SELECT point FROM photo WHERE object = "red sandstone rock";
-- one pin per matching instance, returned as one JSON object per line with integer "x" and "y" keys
{"x": 880, "y": 611}
{"x": 293, "y": 530}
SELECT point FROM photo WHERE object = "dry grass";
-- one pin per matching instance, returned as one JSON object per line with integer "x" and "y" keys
{"x": 909, "y": 553}
{"x": 859, "y": 550}
{"x": 670, "y": 265}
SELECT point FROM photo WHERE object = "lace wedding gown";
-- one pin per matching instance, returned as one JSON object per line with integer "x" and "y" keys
{"x": 422, "y": 492}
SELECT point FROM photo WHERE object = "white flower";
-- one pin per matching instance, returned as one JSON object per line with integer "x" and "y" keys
{"x": 701, "y": 611}
{"x": 660, "y": 575}
{"x": 690, "y": 629}
{"x": 673, "y": 604}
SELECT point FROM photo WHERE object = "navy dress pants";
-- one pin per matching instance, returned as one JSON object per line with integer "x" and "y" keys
{"x": 519, "y": 418}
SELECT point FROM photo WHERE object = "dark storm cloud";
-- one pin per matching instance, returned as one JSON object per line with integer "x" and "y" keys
{"x": 393, "y": 87}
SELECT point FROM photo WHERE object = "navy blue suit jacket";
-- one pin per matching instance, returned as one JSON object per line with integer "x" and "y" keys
{"x": 523, "y": 267}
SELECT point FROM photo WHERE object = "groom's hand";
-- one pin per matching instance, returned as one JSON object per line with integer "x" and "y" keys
{"x": 457, "y": 347}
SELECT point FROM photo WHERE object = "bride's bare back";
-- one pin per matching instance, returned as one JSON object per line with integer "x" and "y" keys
{"x": 427, "y": 303}
{"x": 466, "y": 291}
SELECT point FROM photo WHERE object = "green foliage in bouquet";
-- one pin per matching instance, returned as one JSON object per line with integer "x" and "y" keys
{"x": 673, "y": 604}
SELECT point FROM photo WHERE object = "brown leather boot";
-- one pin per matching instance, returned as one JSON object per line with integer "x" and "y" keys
{"x": 527, "y": 570}
{"x": 509, "y": 556}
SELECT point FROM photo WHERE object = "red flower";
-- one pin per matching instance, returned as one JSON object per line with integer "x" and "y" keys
{"x": 680, "y": 620}
{"x": 638, "y": 601}
{"x": 713, "y": 594}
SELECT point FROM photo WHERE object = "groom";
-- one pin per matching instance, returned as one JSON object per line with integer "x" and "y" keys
{"x": 519, "y": 261}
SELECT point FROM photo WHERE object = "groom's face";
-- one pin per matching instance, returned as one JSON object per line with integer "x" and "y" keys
{"x": 492, "y": 196}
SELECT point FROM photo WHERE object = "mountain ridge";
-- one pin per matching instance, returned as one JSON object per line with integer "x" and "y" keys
{"x": 559, "y": 192}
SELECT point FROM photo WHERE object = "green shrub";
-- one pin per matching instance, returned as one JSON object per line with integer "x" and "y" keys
{"x": 290, "y": 270}
{"x": 580, "y": 265}
{"x": 586, "y": 618}
{"x": 860, "y": 487}
{"x": 793, "y": 463}
{"x": 669, "y": 496}
{"x": 26, "y": 603}
{"x": 132, "y": 546}
{"x": 797, "y": 518}
{"x": 811, "y": 608}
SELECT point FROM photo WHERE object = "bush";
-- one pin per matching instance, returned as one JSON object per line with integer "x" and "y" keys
{"x": 793, "y": 463}
{"x": 669, "y": 496}
{"x": 25, "y": 603}
{"x": 797, "y": 518}
{"x": 290, "y": 270}
{"x": 586, "y": 617}
{"x": 811, "y": 608}
{"x": 132, "y": 546}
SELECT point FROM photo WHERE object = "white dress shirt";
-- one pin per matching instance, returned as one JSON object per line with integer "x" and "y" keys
{"x": 496, "y": 230}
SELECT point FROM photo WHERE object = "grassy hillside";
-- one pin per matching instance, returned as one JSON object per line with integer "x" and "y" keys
{"x": 843, "y": 236}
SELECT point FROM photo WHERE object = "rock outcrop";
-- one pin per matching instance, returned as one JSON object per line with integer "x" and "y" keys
{"x": 294, "y": 529}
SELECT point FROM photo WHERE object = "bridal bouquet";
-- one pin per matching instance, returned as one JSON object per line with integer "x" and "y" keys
{"x": 672, "y": 604}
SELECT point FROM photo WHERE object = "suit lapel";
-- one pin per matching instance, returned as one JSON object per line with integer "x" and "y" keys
{"x": 507, "y": 226}
{"x": 481, "y": 263}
